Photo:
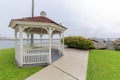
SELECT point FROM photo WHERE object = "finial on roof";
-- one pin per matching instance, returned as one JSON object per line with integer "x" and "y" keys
{"x": 60, "y": 24}
{"x": 43, "y": 13}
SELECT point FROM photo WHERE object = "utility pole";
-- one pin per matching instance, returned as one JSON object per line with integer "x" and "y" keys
{"x": 32, "y": 36}
{"x": 32, "y": 8}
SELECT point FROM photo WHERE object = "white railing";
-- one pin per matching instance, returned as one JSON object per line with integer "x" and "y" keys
{"x": 35, "y": 54}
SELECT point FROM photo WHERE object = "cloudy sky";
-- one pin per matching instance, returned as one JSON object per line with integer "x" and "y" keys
{"x": 88, "y": 18}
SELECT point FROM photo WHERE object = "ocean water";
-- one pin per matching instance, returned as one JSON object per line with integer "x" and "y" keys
{"x": 11, "y": 44}
{"x": 6, "y": 44}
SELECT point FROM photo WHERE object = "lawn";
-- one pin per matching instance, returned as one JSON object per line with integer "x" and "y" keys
{"x": 104, "y": 65}
{"x": 9, "y": 69}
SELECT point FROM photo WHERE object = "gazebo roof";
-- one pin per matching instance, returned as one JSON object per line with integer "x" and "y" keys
{"x": 36, "y": 23}
{"x": 36, "y": 19}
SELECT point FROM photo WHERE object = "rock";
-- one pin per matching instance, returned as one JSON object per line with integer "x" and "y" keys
{"x": 99, "y": 43}
{"x": 117, "y": 44}
{"x": 111, "y": 45}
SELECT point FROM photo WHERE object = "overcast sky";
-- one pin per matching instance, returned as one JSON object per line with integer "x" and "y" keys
{"x": 88, "y": 18}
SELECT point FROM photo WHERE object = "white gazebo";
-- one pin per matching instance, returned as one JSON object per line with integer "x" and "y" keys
{"x": 40, "y": 53}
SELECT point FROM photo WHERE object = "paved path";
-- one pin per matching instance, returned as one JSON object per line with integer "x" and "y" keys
{"x": 72, "y": 66}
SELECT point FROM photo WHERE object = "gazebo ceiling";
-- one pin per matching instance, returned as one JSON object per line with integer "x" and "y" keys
{"x": 36, "y": 24}
{"x": 36, "y": 30}
{"x": 39, "y": 31}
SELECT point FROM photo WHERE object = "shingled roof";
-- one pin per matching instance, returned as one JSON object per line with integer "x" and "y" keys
{"x": 38, "y": 19}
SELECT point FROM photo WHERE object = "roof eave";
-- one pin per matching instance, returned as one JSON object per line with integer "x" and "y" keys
{"x": 12, "y": 24}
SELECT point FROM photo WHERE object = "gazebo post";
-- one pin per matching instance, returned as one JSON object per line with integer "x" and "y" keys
{"x": 60, "y": 42}
{"x": 15, "y": 38}
{"x": 15, "y": 42}
{"x": 32, "y": 41}
{"x": 41, "y": 36}
{"x": 63, "y": 43}
{"x": 21, "y": 45}
{"x": 52, "y": 38}
{"x": 50, "y": 34}
{"x": 50, "y": 30}
{"x": 41, "y": 39}
{"x": 27, "y": 39}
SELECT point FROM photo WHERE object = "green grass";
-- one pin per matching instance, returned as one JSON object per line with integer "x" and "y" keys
{"x": 9, "y": 69}
{"x": 104, "y": 65}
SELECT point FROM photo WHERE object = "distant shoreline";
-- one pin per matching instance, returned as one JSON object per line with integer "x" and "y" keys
{"x": 6, "y": 39}
{"x": 23, "y": 39}
{"x": 6, "y": 48}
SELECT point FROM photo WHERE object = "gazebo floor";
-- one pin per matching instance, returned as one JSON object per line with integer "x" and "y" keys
{"x": 55, "y": 55}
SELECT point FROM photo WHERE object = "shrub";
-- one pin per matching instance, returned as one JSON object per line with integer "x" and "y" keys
{"x": 78, "y": 42}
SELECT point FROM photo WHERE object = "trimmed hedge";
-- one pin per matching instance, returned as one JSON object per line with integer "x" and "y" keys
{"x": 78, "y": 42}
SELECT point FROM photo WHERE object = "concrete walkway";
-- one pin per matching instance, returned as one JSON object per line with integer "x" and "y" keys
{"x": 72, "y": 66}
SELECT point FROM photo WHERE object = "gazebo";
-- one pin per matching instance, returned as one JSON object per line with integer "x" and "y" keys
{"x": 40, "y": 53}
